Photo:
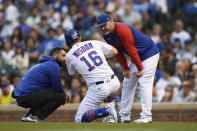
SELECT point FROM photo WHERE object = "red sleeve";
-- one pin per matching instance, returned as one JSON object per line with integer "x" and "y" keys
{"x": 122, "y": 60}
{"x": 126, "y": 38}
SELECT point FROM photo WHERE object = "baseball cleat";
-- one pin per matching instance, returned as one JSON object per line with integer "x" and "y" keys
{"x": 32, "y": 118}
{"x": 112, "y": 111}
{"x": 108, "y": 119}
{"x": 143, "y": 120}
{"x": 24, "y": 119}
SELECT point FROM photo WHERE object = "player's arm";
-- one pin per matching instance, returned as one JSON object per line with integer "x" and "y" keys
{"x": 127, "y": 40}
{"x": 108, "y": 50}
{"x": 70, "y": 68}
{"x": 112, "y": 52}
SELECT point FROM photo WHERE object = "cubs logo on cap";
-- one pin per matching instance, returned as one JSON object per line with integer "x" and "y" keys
{"x": 71, "y": 35}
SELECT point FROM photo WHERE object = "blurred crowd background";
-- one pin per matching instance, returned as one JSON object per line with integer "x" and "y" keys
{"x": 30, "y": 28}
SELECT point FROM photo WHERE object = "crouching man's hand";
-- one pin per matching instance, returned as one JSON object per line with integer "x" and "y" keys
{"x": 67, "y": 99}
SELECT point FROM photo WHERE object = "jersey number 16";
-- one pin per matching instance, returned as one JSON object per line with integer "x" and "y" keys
{"x": 95, "y": 59}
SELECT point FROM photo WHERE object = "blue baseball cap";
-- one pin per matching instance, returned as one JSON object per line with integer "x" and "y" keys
{"x": 102, "y": 19}
{"x": 71, "y": 35}
{"x": 4, "y": 84}
{"x": 188, "y": 41}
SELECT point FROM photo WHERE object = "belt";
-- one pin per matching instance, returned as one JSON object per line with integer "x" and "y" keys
{"x": 101, "y": 82}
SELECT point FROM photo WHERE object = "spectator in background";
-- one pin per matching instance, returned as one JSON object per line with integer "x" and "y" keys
{"x": 76, "y": 98}
{"x": 20, "y": 59}
{"x": 177, "y": 46}
{"x": 130, "y": 16}
{"x": 180, "y": 33}
{"x": 60, "y": 5}
{"x": 34, "y": 18}
{"x": 23, "y": 6}
{"x": 25, "y": 28}
{"x": 91, "y": 15}
{"x": 188, "y": 52}
{"x": 97, "y": 36}
{"x": 167, "y": 79}
{"x": 186, "y": 94}
{"x": 66, "y": 21}
{"x": 161, "y": 5}
{"x": 44, "y": 26}
{"x": 34, "y": 35}
{"x": 101, "y": 6}
{"x": 180, "y": 70}
{"x": 6, "y": 95}
{"x": 36, "y": 29}
{"x": 156, "y": 32}
{"x": 60, "y": 34}
{"x": 16, "y": 81}
{"x": 169, "y": 93}
{"x": 32, "y": 51}
{"x": 53, "y": 18}
{"x": 191, "y": 10}
{"x": 7, "y": 53}
{"x": 6, "y": 78}
{"x": 16, "y": 37}
{"x": 188, "y": 66}
{"x": 169, "y": 59}
{"x": 10, "y": 18}
{"x": 49, "y": 43}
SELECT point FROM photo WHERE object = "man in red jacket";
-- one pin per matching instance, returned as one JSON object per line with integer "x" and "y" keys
{"x": 144, "y": 56}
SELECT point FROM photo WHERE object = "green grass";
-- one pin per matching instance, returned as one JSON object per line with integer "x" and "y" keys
{"x": 60, "y": 126}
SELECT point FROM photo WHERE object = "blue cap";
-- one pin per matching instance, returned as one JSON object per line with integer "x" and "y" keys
{"x": 176, "y": 39}
{"x": 103, "y": 19}
{"x": 4, "y": 83}
{"x": 71, "y": 35}
{"x": 188, "y": 41}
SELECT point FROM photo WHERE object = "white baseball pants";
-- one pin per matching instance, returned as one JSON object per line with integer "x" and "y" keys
{"x": 96, "y": 95}
{"x": 146, "y": 85}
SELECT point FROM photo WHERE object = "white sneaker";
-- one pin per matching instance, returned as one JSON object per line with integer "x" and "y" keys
{"x": 32, "y": 118}
{"x": 108, "y": 119}
{"x": 24, "y": 119}
{"x": 143, "y": 120}
{"x": 112, "y": 111}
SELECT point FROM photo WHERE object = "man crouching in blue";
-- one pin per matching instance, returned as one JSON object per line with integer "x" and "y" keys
{"x": 40, "y": 89}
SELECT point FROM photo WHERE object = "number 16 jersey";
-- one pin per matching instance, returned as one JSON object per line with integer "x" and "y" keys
{"x": 88, "y": 59}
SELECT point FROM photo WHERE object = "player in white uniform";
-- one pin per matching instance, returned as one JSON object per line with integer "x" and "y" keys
{"x": 88, "y": 59}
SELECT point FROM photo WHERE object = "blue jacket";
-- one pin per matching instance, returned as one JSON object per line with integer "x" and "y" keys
{"x": 45, "y": 75}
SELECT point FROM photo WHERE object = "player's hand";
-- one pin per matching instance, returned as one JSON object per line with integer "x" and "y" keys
{"x": 140, "y": 73}
{"x": 126, "y": 73}
{"x": 67, "y": 99}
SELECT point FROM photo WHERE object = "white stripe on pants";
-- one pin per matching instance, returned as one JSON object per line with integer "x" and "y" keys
{"x": 146, "y": 85}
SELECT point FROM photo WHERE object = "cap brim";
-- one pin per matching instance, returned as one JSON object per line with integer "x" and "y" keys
{"x": 101, "y": 24}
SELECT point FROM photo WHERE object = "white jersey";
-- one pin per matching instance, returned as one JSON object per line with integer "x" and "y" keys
{"x": 87, "y": 58}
